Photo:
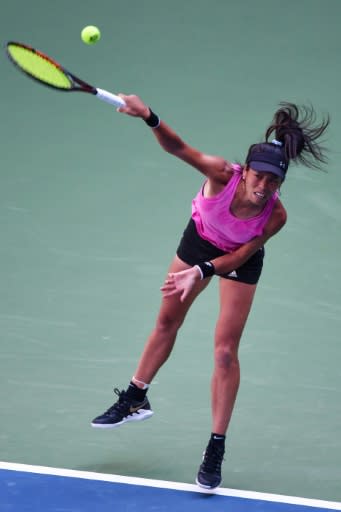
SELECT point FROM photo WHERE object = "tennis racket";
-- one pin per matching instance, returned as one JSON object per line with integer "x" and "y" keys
{"x": 47, "y": 71}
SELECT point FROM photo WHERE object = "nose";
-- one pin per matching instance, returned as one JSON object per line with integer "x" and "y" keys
{"x": 265, "y": 183}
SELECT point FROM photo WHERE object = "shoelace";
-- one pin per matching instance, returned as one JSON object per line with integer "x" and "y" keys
{"x": 213, "y": 459}
{"x": 122, "y": 403}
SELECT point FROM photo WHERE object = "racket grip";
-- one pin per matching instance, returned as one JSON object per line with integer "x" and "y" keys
{"x": 108, "y": 97}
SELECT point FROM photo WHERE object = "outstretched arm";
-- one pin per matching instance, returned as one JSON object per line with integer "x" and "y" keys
{"x": 214, "y": 167}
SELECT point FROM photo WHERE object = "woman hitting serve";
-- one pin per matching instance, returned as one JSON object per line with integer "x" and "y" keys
{"x": 234, "y": 214}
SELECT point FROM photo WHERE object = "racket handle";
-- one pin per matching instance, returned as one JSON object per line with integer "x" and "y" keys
{"x": 108, "y": 97}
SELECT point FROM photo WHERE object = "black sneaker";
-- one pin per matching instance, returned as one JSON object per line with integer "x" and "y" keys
{"x": 209, "y": 474}
{"x": 124, "y": 410}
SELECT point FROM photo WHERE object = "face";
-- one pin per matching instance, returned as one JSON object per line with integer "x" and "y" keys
{"x": 260, "y": 186}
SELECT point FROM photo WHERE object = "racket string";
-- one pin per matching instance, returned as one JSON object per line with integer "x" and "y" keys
{"x": 38, "y": 66}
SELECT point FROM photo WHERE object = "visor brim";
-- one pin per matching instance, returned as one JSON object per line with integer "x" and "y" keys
{"x": 266, "y": 167}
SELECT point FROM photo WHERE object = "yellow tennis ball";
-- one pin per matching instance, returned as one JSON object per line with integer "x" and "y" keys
{"x": 90, "y": 34}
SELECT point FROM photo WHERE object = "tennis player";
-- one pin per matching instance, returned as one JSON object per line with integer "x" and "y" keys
{"x": 235, "y": 212}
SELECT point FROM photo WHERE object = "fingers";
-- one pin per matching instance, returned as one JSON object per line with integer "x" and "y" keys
{"x": 169, "y": 293}
{"x": 123, "y": 109}
{"x": 174, "y": 280}
{"x": 169, "y": 287}
{"x": 134, "y": 106}
{"x": 178, "y": 283}
{"x": 183, "y": 296}
{"x": 167, "y": 284}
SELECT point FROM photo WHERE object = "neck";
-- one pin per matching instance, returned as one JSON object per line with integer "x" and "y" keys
{"x": 242, "y": 207}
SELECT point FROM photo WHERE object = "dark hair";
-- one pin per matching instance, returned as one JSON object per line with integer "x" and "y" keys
{"x": 294, "y": 126}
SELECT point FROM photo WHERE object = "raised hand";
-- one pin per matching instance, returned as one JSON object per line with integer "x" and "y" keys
{"x": 134, "y": 106}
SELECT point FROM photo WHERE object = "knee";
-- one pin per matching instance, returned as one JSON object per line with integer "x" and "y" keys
{"x": 168, "y": 324}
{"x": 226, "y": 357}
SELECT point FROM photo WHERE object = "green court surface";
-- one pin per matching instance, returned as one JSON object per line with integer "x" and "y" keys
{"x": 91, "y": 214}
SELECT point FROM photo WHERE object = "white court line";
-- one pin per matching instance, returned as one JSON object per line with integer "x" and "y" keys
{"x": 162, "y": 484}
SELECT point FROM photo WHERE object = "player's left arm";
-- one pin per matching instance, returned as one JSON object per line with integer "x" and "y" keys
{"x": 235, "y": 259}
{"x": 183, "y": 282}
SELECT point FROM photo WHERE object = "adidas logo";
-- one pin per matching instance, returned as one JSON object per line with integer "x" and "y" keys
{"x": 233, "y": 274}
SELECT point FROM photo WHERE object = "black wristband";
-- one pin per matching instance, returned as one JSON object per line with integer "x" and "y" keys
{"x": 206, "y": 269}
{"x": 153, "y": 120}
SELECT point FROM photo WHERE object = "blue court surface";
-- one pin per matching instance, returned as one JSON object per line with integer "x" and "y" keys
{"x": 36, "y": 488}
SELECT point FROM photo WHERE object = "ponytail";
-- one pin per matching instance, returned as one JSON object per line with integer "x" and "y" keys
{"x": 294, "y": 126}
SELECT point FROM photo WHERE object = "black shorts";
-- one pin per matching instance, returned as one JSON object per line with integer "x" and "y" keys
{"x": 193, "y": 250}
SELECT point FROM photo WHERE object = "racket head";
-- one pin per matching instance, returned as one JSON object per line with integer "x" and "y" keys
{"x": 42, "y": 68}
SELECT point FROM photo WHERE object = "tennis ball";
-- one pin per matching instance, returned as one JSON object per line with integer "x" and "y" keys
{"x": 90, "y": 34}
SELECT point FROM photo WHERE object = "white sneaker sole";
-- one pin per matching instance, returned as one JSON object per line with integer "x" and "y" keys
{"x": 142, "y": 415}
{"x": 206, "y": 486}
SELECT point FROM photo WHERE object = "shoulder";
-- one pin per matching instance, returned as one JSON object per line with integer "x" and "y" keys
{"x": 221, "y": 173}
{"x": 280, "y": 212}
{"x": 277, "y": 219}
{"x": 218, "y": 178}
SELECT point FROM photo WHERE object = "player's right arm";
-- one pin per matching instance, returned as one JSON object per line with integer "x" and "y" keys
{"x": 216, "y": 168}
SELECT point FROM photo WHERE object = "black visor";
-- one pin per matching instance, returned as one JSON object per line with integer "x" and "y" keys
{"x": 266, "y": 161}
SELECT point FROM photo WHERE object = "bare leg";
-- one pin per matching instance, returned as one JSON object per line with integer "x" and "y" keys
{"x": 161, "y": 340}
{"x": 235, "y": 304}
{"x": 132, "y": 405}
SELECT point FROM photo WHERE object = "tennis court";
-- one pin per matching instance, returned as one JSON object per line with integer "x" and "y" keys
{"x": 91, "y": 214}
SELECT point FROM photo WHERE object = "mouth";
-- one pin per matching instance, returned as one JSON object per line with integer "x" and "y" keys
{"x": 260, "y": 195}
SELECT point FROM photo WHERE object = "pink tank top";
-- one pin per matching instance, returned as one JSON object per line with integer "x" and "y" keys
{"x": 216, "y": 224}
